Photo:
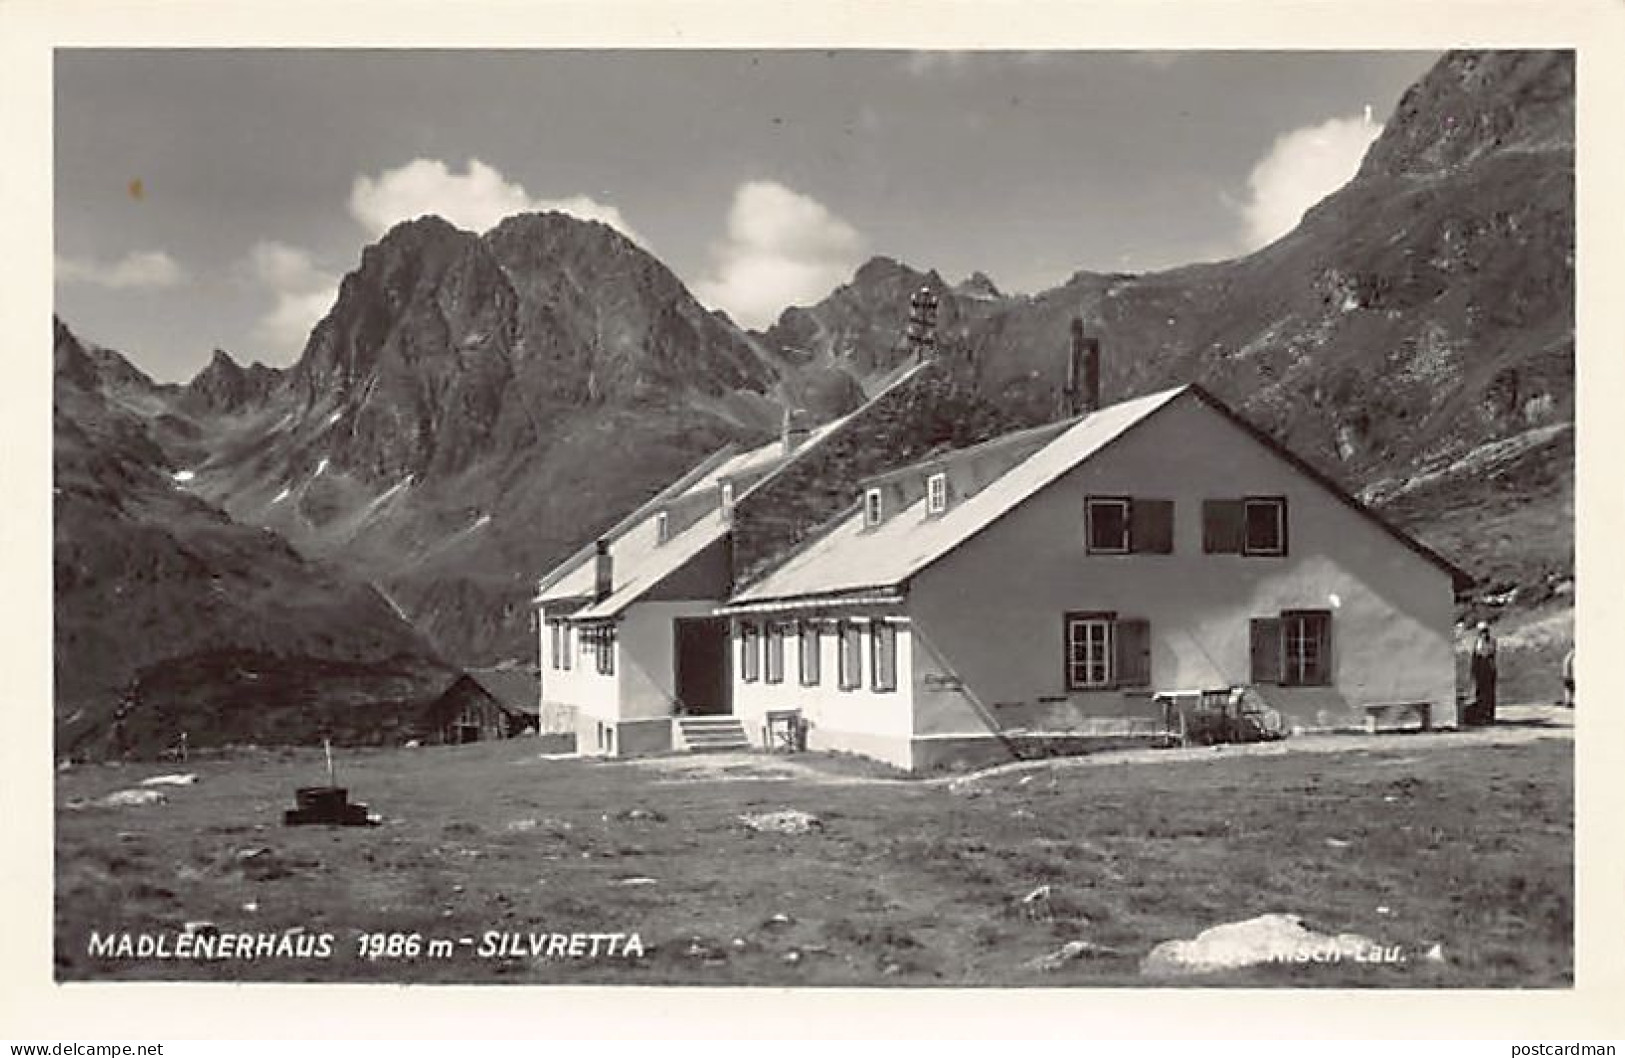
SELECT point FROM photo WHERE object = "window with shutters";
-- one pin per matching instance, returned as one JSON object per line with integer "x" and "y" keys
{"x": 809, "y": 641}
{"x": 1294, "y": 649}
{"x": 849, "y": 651}
{"x": 936, "y": 493}
{"x": 750, "y": 652}
{"x": 1256, "y": 525}
{"x": 773, "y": 670}
{"x": 1104, "y": 651}
{"x": 1118, "y": 525}
{"x": 882, "y": 656}
{"x": 1265, "y": 520}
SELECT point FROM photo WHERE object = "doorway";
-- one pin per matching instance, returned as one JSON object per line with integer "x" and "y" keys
{"x": 700, "y": 655}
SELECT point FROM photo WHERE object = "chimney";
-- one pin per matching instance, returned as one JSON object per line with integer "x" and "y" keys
{"x": 603, "y": 571}
{"x": 1082, "y": 392}
{"x": 792, "y": 429}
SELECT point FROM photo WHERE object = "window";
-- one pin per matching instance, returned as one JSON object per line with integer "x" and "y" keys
{"x": 1117, "y": 525}
{"x": 603, "y": 645}
{"x": 775, "y": 653}
{"x": 750, "y": 652}
{"x": 874, "y": 507}
{"x": 662, "y": 527}
{"x": 1253, "y": 526}
{"x": 883, "y": 656}
{"x": 1265, "y": 518}
{"x": 564, "y": 645}
{"x": 1107, "y": 520}
{"x": 850, "y": 648}
{"x": 554, "y": 646}
{"x": 1294, "y": 649}
{"x": 936, "y": 493}
{"x": 1088, "y": 652}
{"x": 810, "y": 640}
{"x": 1104, "y": 651}
{"x": 726, "y": 491}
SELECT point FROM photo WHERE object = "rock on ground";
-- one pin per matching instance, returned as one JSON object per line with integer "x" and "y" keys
{"x": 133, "y": 798}
{"x": 789, "y": 821}
{"x": 1234, "y": 945}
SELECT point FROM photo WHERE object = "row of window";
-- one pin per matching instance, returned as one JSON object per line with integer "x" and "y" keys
{"x": 767, "y": 664}
{"x": 1104, "y": 651}
{"x": 596, "y": 640}
{"x": 1123, "y": 525}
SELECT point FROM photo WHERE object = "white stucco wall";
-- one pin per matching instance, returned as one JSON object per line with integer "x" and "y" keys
{"x": 582, "y": 686}
{"x": 644, "y": 665}
{"x": 861, "y": 720}
{"x": 990, "y": 613}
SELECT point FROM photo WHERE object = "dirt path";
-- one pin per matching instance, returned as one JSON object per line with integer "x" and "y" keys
{"x": 1518, "y": 724}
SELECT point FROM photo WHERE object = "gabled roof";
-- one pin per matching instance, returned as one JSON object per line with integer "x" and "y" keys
{"x": 649, "y": 562}
{"x": 640, "y": 560}
{"x": 514, "y": 688}
{"x": 574, "y": 577}
{"x": 852, "y": 558}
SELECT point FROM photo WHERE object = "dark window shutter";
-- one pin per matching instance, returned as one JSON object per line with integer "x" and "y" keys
{"x": 1152, "y": 526}
{"x": 1266, "y": 650}
{"x": 1223, "y": 526}
{"x": 1133, "y": 652}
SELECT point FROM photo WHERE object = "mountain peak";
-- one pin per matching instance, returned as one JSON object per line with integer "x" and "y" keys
{"x": 1474, "y": 102}
{"x": 224, "y": 385}
{"x": 978, "y": 285}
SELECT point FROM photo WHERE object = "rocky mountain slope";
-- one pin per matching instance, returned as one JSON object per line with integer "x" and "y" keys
{"x": 153, "y": 586}
{"x": 474, "y": 407}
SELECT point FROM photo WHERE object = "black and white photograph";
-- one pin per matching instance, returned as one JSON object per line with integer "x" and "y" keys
{"x": 814, "y": 517}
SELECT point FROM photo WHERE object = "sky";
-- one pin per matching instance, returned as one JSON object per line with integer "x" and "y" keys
{"x": 210, "y": 199}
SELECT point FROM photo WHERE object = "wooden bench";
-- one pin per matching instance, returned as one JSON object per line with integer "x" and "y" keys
{"x": 1397, "y": 712}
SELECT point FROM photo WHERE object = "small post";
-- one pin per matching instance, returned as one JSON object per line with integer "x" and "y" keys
{"x": 327, "y": 748}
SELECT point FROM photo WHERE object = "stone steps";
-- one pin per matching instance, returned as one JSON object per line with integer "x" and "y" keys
{"x": 700, "y": 734}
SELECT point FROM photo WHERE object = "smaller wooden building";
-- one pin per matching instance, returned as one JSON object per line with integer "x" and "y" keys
{"x": 468, "y": 712}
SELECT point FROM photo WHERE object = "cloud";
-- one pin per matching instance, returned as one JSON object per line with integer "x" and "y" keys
{"x": 137, "y": 269}
{"x": 1301, "y": 168}
{"x": 477, "y": 199}
{"x": 782, "y": 248}
{"x": 302, "y": 293}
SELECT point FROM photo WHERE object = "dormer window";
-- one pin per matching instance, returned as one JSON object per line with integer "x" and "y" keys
{"x": 936, "y": 493}
{"x": 662, "y": 527}
{"x": 874, "y": 508}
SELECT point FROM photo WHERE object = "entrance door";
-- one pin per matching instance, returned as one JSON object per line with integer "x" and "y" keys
{"x": 701, "y": 657}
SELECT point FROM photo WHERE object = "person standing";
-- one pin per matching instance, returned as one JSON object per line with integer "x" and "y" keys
{"x": 1483, "y": 677}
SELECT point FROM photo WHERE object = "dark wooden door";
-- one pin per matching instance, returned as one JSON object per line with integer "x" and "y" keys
{"x": 701, "y": 657}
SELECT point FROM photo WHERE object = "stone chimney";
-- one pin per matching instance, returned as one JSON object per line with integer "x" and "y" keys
{"x": 603, "y": 571}
{"x": 793, "y": 429}
{"x": 1082, "y": 392}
